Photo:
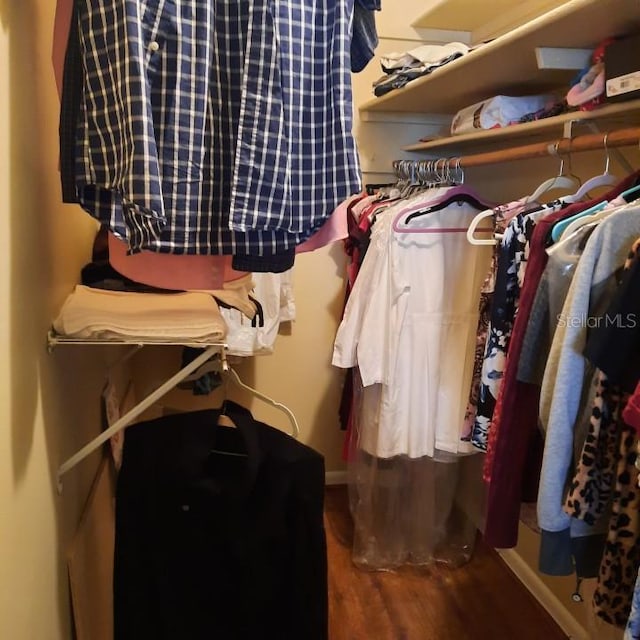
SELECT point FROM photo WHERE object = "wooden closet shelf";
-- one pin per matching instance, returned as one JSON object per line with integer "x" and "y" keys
{"x": 507, "y": 65}
{"x": 469, "y": 15}
{"x": 612, "y": 115}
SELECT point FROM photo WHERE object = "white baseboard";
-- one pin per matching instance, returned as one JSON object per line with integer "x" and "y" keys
{"x": 335, "y": 477}
{"x": 544, "y": 595}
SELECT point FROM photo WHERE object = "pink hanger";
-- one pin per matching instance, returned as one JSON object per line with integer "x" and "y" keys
{"x": 440, "y": 230}
{"x": 450, "y": 194}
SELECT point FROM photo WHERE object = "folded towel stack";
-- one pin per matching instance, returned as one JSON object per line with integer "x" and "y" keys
{"x": 103, "y": 314}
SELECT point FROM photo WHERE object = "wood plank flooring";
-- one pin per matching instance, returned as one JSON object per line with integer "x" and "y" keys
{"x": 482, "y": 600}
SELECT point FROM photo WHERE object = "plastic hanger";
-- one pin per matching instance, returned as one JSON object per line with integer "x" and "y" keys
{"x": 561, "y": 181}
{"x": 631, "y": 194}
{"x": 295, "y": 427}
{"x": 605, "y": 179}
{"x": 457, "y": 193}
{"x": 564, "y": 228}
{"x": 473, "y": 227}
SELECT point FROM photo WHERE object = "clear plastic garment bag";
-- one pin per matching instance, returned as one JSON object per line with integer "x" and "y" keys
{"x": 410, "y": 326}
{"x": 410, "y": 511}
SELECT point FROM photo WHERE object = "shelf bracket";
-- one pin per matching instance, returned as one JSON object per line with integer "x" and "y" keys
{"x": 142, "y": 406}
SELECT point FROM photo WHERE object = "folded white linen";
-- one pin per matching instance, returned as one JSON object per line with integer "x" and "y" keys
{"x": 105, "y": 314}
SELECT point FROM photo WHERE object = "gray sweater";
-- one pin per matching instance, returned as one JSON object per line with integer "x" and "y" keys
{"x": 566, "y": 371}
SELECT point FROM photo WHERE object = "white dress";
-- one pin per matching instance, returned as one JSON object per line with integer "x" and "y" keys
{"x": 410, "y": 326}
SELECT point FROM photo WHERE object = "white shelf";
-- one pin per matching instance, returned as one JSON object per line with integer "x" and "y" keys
{"x": 507, "y": 65}
{"x": 55, "y": 339}
{"x": 619, "y": 114}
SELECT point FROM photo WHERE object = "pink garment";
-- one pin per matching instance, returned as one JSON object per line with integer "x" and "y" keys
{"x": 61, "y": 27}
{"x": 592, "y": 88}
{"x": 189, "y": 272}
{"x": 171, "y": 271}
{"x": 335, "y": 228}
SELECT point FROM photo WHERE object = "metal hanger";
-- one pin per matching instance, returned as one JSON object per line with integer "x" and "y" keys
{"x": 605, "y": 179}
{"x": 561, "y": 181}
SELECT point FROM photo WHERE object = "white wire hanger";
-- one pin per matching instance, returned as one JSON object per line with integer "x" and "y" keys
{"x": 222, "y": 366}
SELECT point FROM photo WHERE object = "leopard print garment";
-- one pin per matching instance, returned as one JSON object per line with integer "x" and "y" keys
{"x": 621, "y": 558}
{"x": 591, "y": 487}
{"x": 606, "y": 473}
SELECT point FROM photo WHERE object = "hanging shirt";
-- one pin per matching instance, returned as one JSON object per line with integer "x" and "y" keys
{"x": 511, "y": 267}
{"x": 501, "y": 216}
{"x": 215, "y": 126}
{"x": 562, "y": 386}
{"x": 516, "y": 457}
{"x": 410, "y": 327}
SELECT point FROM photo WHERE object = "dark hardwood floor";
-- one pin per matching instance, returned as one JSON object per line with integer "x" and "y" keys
{"x": 482, "y": 600}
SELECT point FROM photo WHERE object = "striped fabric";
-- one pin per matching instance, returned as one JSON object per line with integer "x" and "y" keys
{"x": 215, "y": 126}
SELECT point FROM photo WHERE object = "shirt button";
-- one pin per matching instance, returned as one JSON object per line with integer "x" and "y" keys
{"x": 153, "y": 46}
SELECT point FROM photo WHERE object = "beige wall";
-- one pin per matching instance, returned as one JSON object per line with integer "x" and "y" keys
{"x": 47, "y": 402}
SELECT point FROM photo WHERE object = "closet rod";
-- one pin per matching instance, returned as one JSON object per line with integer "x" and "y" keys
{"x": 562, "y": 146}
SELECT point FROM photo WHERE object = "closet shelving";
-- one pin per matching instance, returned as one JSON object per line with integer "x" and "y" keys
{"x": 210, "y": 350}
{"x": 471, "y": 15}
{"x": 606, "y": 117}
{"x": 507, "y": 65}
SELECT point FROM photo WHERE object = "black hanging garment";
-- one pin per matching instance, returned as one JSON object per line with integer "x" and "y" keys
{"x": 219, "y": 532}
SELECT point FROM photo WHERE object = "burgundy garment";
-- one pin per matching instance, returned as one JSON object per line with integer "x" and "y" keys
{"x": 518, "y": 449}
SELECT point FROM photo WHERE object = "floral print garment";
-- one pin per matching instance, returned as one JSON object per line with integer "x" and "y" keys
{"x": 512, "y": 258}
{"x": 501, "y": 215}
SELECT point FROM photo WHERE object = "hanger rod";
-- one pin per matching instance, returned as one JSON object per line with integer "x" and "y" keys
{"x": 589, "y": 142}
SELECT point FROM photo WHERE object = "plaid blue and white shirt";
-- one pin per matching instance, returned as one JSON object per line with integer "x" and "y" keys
{"x": 215, "y": 126}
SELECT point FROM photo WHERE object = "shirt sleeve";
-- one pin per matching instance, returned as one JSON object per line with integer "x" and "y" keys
{"x": 365, "y": 326}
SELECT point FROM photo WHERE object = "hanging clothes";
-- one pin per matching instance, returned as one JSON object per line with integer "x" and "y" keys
{"x": 230, "y": 153}
{"x": 409, "y": 331}
{"x": 415, "y": 341}
{"x": 501, "y": 216}
{"x": 613, "y": 347}
{"x": 219, "y": 531}
{"x": 562, "y": 387}
{"x": 517, "y": 450}
{"x": 511, "y": 265}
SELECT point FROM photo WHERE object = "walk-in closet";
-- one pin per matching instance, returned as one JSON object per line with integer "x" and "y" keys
{"x": 319, "y": 320}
